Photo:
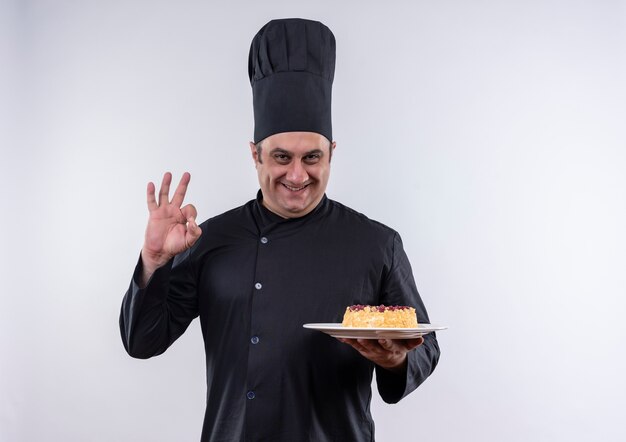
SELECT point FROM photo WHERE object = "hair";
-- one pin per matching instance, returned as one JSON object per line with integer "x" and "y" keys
{"x": 259, "y": 147}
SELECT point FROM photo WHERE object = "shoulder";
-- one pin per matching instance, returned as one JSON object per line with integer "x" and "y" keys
{"x": 358, "y": 220}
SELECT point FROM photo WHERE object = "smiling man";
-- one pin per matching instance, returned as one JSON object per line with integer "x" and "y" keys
{"x": 293, "y": 171}
{"x": 255, "y": 274}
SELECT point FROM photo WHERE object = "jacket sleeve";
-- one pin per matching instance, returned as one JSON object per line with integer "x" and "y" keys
{"x": 152, "y": 318}
{"x": 399, "y": 289}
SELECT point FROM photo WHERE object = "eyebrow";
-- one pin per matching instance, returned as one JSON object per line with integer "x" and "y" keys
{"x": 310, "y": 152}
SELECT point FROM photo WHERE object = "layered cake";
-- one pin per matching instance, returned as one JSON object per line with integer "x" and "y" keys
{"x": 372, "y": 316}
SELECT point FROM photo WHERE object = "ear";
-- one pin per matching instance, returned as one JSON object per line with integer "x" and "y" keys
{"x": 254, "y": 152}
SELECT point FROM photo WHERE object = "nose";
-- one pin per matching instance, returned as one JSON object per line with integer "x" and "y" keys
{"x": 297, "y": 174}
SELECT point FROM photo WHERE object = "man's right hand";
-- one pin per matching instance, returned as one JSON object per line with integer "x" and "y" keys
{"x": 171, "y": 229}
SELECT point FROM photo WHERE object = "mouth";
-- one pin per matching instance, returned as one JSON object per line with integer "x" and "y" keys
{"x": 295, "y": 188}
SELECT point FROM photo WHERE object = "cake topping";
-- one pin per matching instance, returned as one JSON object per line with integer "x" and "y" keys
{"x": 381, "y": 308}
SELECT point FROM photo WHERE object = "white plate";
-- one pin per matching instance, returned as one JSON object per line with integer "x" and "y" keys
{"x": 339, "y": 331}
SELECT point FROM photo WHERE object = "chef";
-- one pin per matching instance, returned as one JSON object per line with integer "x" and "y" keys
{"x": 255, "y": 274}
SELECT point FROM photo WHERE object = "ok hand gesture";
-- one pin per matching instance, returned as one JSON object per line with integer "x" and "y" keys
{"x": 172, "y": 229}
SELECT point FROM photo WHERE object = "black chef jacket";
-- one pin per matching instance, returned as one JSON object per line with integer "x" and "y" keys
{"x": 254, "y": 279}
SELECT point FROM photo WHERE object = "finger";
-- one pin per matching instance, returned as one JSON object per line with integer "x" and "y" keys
{"x": 189, "y": 211}
{"x": 193, "y": 232}
{"x": 181, "y": 190}
{"x": 413, "y": 343}
{"x": 165, "y": 188}
{"x": 194, "y": 229}
{"x": 152, "y": 205}
{"x": 353, "y": 343}
{"x": 386, "y": 344}
{"x": 348, "y": 341}
{"x": 369, "y": 345}
{"x": 359, "y": 347}
{"x": 405, "y": 345}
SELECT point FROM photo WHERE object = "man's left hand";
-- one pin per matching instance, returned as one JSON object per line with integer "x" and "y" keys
{"x": 386, "y": 353}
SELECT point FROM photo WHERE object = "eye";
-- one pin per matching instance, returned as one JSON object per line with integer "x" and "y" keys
{"x": 312, "y": 158}
{"x": 281, "y": 158}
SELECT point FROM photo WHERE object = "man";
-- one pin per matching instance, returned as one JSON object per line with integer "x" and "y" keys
{"x": 255, "y": 274}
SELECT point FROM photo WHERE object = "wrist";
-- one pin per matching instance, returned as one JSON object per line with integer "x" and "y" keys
{"x": 149, "y": 265}
{"x": 398, "y": 368}
{"x": 151, "y": 261}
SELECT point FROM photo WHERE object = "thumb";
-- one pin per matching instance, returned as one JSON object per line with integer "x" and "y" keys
{"x": 193, "y": 232}
{"x": 413, "y": 343}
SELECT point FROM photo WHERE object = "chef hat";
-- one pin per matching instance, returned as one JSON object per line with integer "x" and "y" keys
{"x": 291, "y": 68}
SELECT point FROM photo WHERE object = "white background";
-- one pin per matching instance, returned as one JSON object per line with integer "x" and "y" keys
{"x": 491, "y": 134}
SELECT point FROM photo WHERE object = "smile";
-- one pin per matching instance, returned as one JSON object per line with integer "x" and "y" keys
{"x": 295, "y": 189}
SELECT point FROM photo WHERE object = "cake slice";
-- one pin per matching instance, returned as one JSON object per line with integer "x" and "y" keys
{"x": 381, "y": 316}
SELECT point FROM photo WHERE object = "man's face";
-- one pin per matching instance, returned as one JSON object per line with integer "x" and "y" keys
{"x": 293, "y": 171}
